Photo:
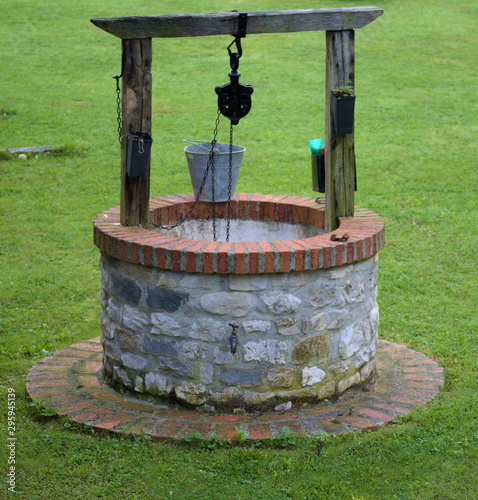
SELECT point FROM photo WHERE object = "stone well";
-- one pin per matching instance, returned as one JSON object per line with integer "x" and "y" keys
{"x": 304, "y": 305}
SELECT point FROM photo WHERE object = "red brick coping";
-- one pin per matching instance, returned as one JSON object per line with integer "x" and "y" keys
{"x": 68, "y": 382}
{"x": 142, "y": 246}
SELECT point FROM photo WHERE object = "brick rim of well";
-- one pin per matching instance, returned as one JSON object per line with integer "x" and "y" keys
{"x": 147, "y": 247}
{"x": 68, "y": 382}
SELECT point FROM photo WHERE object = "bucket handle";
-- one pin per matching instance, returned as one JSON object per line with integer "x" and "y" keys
{"x": 197, "y": 143}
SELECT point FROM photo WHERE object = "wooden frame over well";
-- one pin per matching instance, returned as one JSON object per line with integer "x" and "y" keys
{"x": 136, "y": 33}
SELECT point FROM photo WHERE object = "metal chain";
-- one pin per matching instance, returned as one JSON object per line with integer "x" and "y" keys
{"x": 118, "y": 107}
{"x": 213, "y": 189}
{"x": 201, "y": 187}
{"x": 229, "y": 184}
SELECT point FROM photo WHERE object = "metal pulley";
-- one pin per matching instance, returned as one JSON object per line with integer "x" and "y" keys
{"x": 234, "y": 98}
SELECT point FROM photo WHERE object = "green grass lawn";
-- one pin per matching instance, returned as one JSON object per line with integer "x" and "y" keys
{"x": 416, "y": 144}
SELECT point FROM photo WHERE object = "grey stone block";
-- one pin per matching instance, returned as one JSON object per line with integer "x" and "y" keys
{"x": 339, "y": 272}
{"x": 367, "y": 370}
{"x": 159, "y": 348}
{"x": 256, "y": 326}
{"x": 322, "y": 295}
{"x": 166, "y": 279}
{"x": 310, "y": 349}
{"x": 163, "y": 299}
{"x": 108, "y": 327}
{"x": 280, "y": 303}
{"x": 208, "y": 330}
{"x": 343, "y": 385}
{"x": 121, "y": 375}
{"x": 242, "y": 378}
{"x": 284, "y": 406}
{"x": 206, "y": 373}
{"x": 155, "y": 383}
{"x": 193, "y": 350}
{"x": 133, "y": 361}
{"x": 194, "y": 394}
{"x": 139, "y": 384}
{"x": 247, "y": 283}
{"x": 281, "y": 377}
{"x": 326, "y": 390}
{"x": 234, "y": 304}
{"x": 270, "y": 351}
{"x": 332, "y": 320}
{"x": 257, "y": 397}
{"x": 354, "y": 290}
{"x": 164, "y": 325}
{"x": 223, "y": 357}
{"x": 134, "y": 318}
{"x": 312, "y": 375}
{"x": 128, "y": 342}
{"x": 174, "y": 366}
{"x": 113, "y": 309}
{"x": 126, "y": 289}
{"x": 287, "y": 326}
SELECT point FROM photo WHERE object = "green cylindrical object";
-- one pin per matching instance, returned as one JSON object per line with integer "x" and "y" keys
{"x": 316, "y": 145}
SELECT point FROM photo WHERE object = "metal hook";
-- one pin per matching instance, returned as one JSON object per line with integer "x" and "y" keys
{"x": 237, "y": 41}
{"x": 241, "y": 33}
{"x": 235, "y": 56}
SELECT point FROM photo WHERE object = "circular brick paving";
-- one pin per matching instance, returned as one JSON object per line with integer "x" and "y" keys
{"x": 67, "y": 381}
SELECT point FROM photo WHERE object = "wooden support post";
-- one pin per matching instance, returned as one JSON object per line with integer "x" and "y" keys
{"x": 136, "y": 111}
{"x": 339, "y": 149}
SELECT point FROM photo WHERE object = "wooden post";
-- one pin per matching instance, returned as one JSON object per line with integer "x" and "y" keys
{"x": 339, "y": 149}
{"x": 136, "y": 111}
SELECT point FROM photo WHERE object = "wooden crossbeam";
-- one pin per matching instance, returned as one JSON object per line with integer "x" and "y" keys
{"x": 225, "y": 23}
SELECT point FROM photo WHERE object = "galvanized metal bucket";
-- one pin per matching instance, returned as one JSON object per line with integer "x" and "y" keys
{"x": 198, "y": 155}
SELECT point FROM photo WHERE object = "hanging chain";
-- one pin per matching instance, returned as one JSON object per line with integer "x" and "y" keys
{"x": 213, "y": 186}
{"x": 229, "y": 185}
{"x": 118, "y": 107}
{"x": 210, "y": 164}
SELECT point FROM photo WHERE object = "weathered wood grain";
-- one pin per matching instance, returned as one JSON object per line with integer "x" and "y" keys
{"x": 339, "y": 149}
{"x": 136, "y": 117}
{"x": 225, "y": 23}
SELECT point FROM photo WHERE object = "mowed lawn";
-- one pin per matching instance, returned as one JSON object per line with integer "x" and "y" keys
{"x": 416, "y": 145}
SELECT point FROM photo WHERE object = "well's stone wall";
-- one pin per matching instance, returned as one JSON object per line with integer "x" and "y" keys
{"x": 306, "y": 334}
{"x": 305, "y": 309}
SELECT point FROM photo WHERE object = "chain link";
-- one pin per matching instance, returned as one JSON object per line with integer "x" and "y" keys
{"x": 118, "y": 107}
{"x": 229, "y": 184}
{"x": 213, "y": 181}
